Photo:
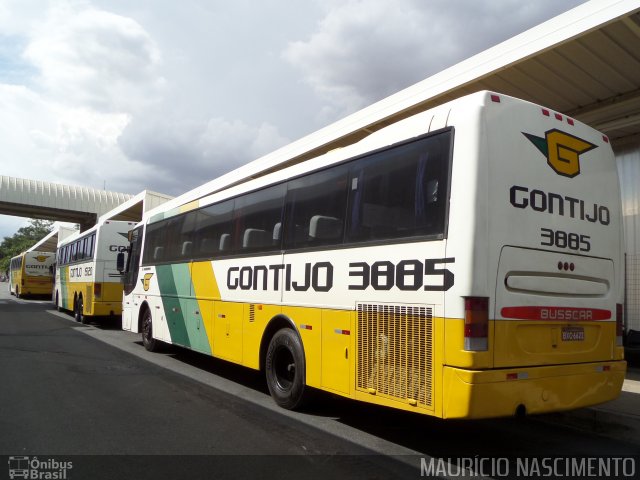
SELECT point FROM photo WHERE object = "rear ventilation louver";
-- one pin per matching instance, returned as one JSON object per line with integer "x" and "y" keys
{"x": 395, "y": 346}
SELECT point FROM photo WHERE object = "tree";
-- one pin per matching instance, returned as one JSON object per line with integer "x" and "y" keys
{"x": 22, "y": 240}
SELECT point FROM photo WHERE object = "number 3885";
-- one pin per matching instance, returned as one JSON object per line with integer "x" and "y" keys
{"x": 561, "y": 239}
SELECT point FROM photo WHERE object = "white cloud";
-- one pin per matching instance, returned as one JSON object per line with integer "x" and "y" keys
{"x": 89, "y": 57}
{"x": 187, "y": 153}
{"x": 48, "y": 141}
{"x": 95, "y": 111}
{"x": 364, "y": 50}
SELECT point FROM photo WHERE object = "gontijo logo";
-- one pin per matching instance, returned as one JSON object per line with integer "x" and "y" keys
{"x": 42, "y": 258}
{"x": 562, "y": 150}
{"x": 146, "y": 280}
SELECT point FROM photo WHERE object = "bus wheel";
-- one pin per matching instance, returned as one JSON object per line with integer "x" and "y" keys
{"x": 285, "y": 369}
{"x": 79, "y": 311}
{"x": 150, "y": 343}
{"x": 58, "y": 306}
{"x": 17, "y": 292}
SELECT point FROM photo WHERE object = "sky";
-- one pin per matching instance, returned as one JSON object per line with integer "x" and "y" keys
{"x": 165, "y": 95}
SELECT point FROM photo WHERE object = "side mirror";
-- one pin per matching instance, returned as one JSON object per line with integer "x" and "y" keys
{"x": 120, "y": 262}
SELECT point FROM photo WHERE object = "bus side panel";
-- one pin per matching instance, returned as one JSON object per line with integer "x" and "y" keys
{"x": 366, "y": 298}
{"x": 186, "y": 327}
{"x": 338, "y": 348}
{"x": 467, "y": 235}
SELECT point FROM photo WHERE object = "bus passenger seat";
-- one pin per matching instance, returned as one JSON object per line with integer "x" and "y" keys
{"x": 325, "y": 228}
{"x": 254, "y": 238}
{"x": 186, "y": 249}
{"x": 225, "y": 242}
{"x": 277, "y": 231}
{"x": 158, "y": 253}
{"x": 207, "y": 245}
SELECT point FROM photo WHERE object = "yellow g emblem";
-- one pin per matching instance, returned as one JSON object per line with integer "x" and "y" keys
{"x": 562, "y": 151}
{"x": 42, "y": 258}
{"x": 145, "y": 281}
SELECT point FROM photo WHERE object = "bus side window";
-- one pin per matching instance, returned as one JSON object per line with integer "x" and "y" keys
{"x": 316, "y": 208}
{"x": 212, "y": 223}
{"x": 397, "y": 193}
{"x": 255, "y": 215}
{"x": 89, "y": 246}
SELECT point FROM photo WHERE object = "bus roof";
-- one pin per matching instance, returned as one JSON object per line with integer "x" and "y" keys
{"x": 241, "y": 180}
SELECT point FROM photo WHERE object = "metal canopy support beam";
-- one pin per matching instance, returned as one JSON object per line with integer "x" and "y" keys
{"x": 85, "y": 219}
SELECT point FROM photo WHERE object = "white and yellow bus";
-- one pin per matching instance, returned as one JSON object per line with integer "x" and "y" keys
{"x": 87, "y": 282}
{"x": 31, "y": 273}
{"x": 465, "y": 262}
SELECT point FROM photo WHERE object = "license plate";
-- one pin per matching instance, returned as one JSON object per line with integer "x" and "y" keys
{"x": 573, "y": 334}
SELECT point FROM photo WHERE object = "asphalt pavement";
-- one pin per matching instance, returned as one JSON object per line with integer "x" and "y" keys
{"x": 91, "y": 394}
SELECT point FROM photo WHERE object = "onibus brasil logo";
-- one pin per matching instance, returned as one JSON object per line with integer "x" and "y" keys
{"x": 562, "y": 150}
{"x": 38, "y": 469}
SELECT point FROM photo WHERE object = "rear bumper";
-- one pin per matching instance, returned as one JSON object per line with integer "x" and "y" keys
{"x": 488, "y": 393}
{"x": 106, "y": 308}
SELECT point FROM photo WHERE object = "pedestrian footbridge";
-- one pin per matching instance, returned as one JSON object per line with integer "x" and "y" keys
{"x": 68, "y": 203}
{"x": 53, "y": 201}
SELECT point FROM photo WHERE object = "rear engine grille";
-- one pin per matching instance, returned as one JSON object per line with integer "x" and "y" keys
{"x": 395, "y": 345}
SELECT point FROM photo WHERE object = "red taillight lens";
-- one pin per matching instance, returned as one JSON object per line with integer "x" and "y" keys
{"x": 97, "y": 290}
{"x": 619, "y": 323}
{"x": 476, "y": 323}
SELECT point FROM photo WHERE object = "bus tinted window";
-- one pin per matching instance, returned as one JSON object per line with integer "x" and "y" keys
{"x": 213, "y": 229}
{"x": 81, "y": 247}
{"x": 154, "y": 243}
{"x": 171, "y": 240}
{"x": 316, "y": 208}
{"x": 400, "y": 192}
{"x": 89, "y": 246}
{"x": 258, "y": 220}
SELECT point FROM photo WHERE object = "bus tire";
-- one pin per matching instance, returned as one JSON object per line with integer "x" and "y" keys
{"x": 17, "y": 292}
{"x": 78, "y": 310}
{"x": 150, "y": 343}
{"x": 58, "y": 307}
{"x": 84, "y": 319}
{"x": 285, "y": 369}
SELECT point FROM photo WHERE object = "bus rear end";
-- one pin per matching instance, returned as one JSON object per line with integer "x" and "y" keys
{"x": 37, "y": 277}
{"x": 542, "y": 308}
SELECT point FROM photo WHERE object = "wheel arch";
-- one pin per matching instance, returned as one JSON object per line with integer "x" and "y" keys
{"x": 143, "y": 308}
{"x": 277, "y": 323}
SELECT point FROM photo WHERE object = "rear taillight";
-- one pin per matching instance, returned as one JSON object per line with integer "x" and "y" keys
{"x": 476, "y": 323}
{"x": 619, "y": 323}
{"x": 22, "y": 282}
{"x": 97, "y": 290}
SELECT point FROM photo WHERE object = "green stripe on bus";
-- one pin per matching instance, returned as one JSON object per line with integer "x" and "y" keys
{"x": 185, "y": 325}
{"x": 64, "y": 279}
{"x": 170, "y": 277}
